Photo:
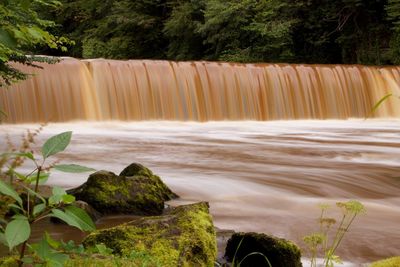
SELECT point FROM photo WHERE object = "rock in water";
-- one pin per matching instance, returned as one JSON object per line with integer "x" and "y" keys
{"x": 136, "y": 169}
{"x": 184, "y": 236}
{"x": 279, "y": 252}
{"x": 138, "y": 192}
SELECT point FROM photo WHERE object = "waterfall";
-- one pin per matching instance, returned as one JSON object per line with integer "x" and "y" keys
{"x": 132, "y": 90}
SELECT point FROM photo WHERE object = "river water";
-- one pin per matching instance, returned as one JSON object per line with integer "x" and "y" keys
{"x": 257, "y": 176}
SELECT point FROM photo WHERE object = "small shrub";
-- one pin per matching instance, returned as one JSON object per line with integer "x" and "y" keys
{"x": 28, "y": 206}
{"x": 319, "y": 241}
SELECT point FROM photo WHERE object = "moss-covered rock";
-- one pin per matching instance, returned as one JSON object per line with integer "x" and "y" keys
{"x": 136, "y": 169}
{"x": 184, "y": 236}
{"x": 390, "y": 262}
{"x": 279, "y": 252}
{"x": 101, "y": 260}
{"x": 137, "y": 191}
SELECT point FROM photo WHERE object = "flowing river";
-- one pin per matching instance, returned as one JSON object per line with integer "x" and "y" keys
{"x": 257, "y": 176}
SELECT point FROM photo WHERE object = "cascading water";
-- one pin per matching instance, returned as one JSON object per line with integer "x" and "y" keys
{"x": 198, "y": 91}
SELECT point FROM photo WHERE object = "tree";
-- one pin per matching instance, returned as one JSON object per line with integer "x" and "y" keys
{"x": 343, "y": 31}
{"x": 130, "y": 29}
{"x": 21, "y": 30}
{"x": 248, "y": 30}
{"x": 181, "y": 29}
{"x": 393, "y": 12}
{"x": 306, "y": 31}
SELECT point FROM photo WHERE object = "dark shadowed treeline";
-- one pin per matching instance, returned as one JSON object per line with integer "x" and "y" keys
{"x": 307, "y": 31}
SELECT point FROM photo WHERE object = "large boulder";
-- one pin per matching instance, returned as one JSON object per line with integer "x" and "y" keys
{"x": 279, "y": 252}
{"x": 183, "y": 236}
{"x": 136, "y": 191}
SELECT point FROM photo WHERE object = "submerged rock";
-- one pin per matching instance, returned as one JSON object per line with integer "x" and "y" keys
{"x": 136, "y": 191}
{"x": 184, "y": 236}
{"x": 279, "y": 252}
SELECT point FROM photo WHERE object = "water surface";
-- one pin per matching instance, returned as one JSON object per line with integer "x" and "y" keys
{"x": 258, "y": 176}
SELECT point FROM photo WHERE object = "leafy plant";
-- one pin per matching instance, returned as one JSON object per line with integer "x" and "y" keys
{"x": 21, "y": 29}
{"x": 30, "y": 206}
{"x": 319, "y": 241}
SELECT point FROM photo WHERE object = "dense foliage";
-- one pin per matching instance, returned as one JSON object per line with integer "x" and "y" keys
{"x": 22, "y": 30}
{"x": 309, "y": 31}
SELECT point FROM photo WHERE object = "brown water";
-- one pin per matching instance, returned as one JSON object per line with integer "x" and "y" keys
{"x": 198, "y": 91}
{"x": 258, "y": 176}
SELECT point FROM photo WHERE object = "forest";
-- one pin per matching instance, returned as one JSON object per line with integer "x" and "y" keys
{"x": 291, "y": 31}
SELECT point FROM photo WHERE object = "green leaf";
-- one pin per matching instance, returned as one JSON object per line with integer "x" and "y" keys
{"x": 30, "y": 191}
{"x": 53, "y": 243}
{"x": 7, "y": 39}
{"x": 71, "y": 247}
{"x": 19, "y": 217}
{"x": 3, "y": 239}
{"x": 15, "y": 207}
{"x": 81, "y": 217}
{"x": 57, "y": 259}
{"x": 73, "y": 168}
{"x": 378, "y": 104}
{"x": 65, "y": 218}
{"x": 57, "y": 196}
{"x": 76, "y": 217}
{"x": 17, "y": 232}
{"x": 38, "y": 209}
{"x": 19, "y": 175}
{"x": 58, "y": 191}
{"x": 43, "y": 177}
{"x": 42, "y": 249}
{"x": 7, "y": 190}
{"x": 56, "y": 144}
{"x": 68, "y": 199}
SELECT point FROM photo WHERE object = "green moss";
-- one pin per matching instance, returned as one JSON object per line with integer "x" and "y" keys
{"x": 11, "y": 261}
{"x": 136, "y": 169}
{"x": 183, "y": 237}
{"x": 110, "y": 262}
{"x": 390, "y": 262}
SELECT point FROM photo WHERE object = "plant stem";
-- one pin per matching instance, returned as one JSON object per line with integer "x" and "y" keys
{"x": 344, "y": 231}
{"x": 22, "y": 254}
{"x": 330, "y": 252}
{"x": 39, "y": 169}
